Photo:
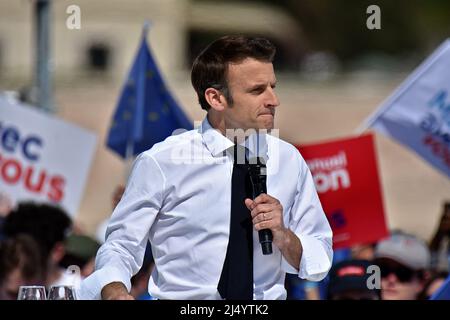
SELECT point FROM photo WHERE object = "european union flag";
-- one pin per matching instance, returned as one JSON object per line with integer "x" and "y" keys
{"x": 146, "y": 112}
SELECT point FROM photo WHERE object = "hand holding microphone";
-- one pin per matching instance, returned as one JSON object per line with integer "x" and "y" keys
{"x": 258, "y": 175}
{"x": 266, "y": 211}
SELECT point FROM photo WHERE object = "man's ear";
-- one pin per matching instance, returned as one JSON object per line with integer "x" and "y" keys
{"x": 58, "y": 252}
{"x": 215, "y": 99}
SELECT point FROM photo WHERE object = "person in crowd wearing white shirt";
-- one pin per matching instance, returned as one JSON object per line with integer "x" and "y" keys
{"x": 179, "y": 195}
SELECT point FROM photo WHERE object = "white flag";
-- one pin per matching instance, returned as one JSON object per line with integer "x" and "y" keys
{"x": 417, "y": 114}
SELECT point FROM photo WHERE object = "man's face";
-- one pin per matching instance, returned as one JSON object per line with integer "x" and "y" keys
{"x": 251, "y": 84}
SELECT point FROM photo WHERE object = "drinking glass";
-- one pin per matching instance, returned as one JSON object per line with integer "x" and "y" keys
{"x": 31, "y": 293}
{"x": 61, "y": 293}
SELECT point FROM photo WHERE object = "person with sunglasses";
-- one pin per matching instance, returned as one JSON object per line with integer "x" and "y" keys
{"x": 404, "y": 262}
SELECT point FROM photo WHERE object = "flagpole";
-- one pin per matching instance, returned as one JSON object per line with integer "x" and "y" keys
{"x": 129, "y": 152}
{"x": 145, "y": 28}
{"x": 144, "y": 106}
{"x": 43, "y": 72}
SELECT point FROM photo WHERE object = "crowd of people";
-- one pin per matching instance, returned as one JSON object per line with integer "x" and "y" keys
{"x": 400, "y": 267}
{"x": 199, "y": 255}
{"x": 39, "y": 245}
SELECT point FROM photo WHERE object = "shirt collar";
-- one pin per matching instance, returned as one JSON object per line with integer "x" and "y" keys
{"x": 217, "y": 143}
{"x": 214, "y": 140}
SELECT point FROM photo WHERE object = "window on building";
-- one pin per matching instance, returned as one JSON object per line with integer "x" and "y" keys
{"x": 98, "y": 56}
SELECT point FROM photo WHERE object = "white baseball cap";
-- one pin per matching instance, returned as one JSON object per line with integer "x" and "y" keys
{"x": 405, "y": 249}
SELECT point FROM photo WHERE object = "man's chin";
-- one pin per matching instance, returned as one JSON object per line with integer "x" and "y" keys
{"x": 390, "y": 295}
{"x": 267, "y": 124}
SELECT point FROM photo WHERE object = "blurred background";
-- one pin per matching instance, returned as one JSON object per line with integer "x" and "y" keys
{"x": 332, "y": 73}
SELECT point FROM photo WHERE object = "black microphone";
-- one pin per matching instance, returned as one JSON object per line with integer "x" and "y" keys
{"x": 258, "y": 179}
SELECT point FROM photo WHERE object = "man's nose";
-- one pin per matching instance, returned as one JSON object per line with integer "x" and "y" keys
{"x": 272, "y": 98}
{"x": 391, "y": 278}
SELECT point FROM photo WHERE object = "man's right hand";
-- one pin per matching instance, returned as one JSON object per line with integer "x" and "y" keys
{"x": 116, "y": 291}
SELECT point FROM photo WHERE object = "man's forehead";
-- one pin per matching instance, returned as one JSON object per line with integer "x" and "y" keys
{"x": 251, "y": 71}
{"x": 249, "y": 64}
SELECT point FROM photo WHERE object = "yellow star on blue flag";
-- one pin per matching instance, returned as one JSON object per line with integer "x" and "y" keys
{"x": 146, "y": 113}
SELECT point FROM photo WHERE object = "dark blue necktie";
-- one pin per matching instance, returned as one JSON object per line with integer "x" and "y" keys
{"x": 236, "y": 280}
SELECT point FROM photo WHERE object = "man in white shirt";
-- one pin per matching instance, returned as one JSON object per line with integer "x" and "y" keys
{"x": 179, "y": 192}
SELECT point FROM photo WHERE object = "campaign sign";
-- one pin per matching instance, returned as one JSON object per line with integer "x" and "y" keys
{"x": 346, "y": 178}
{"x": 42, "y": 158}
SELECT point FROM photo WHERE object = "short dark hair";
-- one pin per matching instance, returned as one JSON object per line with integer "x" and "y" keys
{"x": 47, "y": 224}
{"x": 21, "y": 253}
{"x": 209, "y": 69}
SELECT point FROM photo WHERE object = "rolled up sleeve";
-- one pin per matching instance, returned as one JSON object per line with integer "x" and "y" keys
{"x": 122, "y": 254}
{"x": 309, "y": 223}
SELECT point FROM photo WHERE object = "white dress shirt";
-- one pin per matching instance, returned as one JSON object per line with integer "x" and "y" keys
{"x": 178, "y": 196}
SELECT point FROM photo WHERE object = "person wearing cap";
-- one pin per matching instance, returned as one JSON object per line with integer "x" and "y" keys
{"x": 404, "y": 261}
{"x": 80, "y": 251}
{"x": 349, "y": 281}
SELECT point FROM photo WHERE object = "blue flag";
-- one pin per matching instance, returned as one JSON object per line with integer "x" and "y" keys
{"x": 146, "y": 112}
{"x": 443, "y": 293}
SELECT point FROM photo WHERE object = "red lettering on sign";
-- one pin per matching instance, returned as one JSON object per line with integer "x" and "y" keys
{"x": 438, "y": 148}
{"x": 12, "y": 171}
{"x": 37, "y": 187}
{"x": 57, "y": 185}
